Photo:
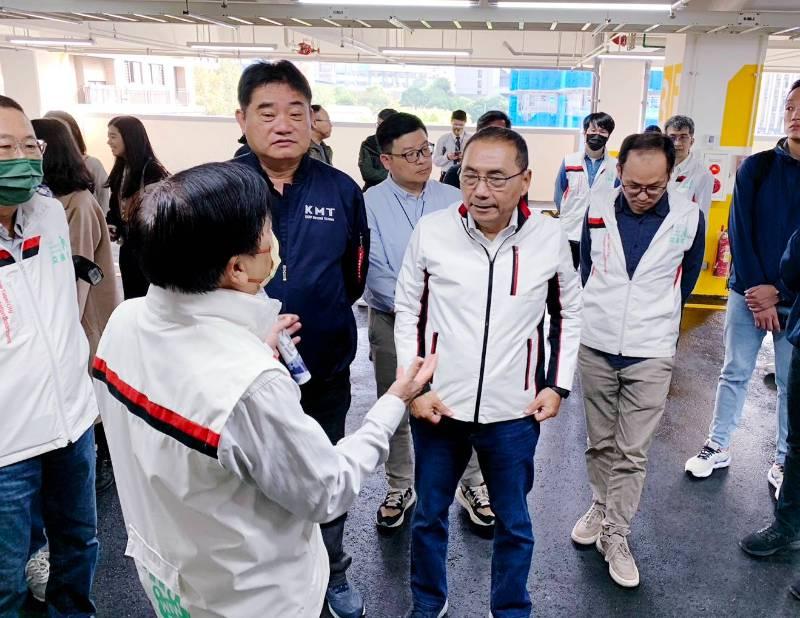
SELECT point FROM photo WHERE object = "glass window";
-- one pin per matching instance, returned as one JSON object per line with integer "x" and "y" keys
{"x": 774, "y": 87}
{"x": 549, "y": 97}
{"x": 654, "y": 86}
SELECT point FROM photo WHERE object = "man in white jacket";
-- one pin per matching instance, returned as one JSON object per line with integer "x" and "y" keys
{"x": 47, "y": 438}
{"x": 473, "y": 288}
{"x": 222, "y": 478}
{"x": 641, "y": 253}
{"x": 690, "y": 176}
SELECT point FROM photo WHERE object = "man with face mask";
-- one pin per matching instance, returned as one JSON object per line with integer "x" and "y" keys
{"x": 581, "y": 175}
{"x": 223, "y": 513}
{"x": 641, "y": 254}
{"x": 47, "y": 442}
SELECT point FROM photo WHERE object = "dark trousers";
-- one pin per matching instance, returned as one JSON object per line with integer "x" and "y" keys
{"x": 787, "y": 512}
{"x": 505, "y": 452}
{"x": 327, "y": 402}
{"x": 63, "y": 482}
{"x": 134, "y": 283}
{"x": 575, "y": 247}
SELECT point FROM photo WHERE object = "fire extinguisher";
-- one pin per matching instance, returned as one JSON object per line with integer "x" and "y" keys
{"x": 722, "y": 265}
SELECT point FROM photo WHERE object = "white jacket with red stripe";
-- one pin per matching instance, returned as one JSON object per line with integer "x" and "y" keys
{"x": 46, "y": 393}
{"x": 579, "y": 194}
{"x": 637, "y": 316}
{"x": 481, "y": 306}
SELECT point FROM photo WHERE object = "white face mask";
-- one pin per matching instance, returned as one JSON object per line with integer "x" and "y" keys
{"x": 274, "y": 252}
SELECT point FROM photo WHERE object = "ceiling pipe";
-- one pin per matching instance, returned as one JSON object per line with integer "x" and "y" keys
{"x": 514, "y": 52}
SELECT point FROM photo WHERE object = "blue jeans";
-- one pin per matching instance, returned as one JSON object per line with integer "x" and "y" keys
{"x": 505, "y": 453}
{"x": 787, "y": 511}
{"x": 742, "y": 343}
{"x": 64, "y": 478}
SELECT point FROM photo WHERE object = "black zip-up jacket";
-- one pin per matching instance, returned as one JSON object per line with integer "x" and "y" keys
{"x": 321, "y": 224}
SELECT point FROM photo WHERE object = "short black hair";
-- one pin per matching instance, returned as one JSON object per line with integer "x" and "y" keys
{"x": 395, "y": 126}
{"x": 9, "y": 103}
{"x": 63, "y": 165}
{"x": 601, "y": 120}
{"x": 793, "y": 87}
{"x": 499, "y": 134}
{"x": 459, "y": 114}
{"x": 262, "y": 73}
{"x": 190, "y": 225}
{"x": 69, "y": 119}
{"x": 652, "y": 128}
{"x": 648, "y": 141}
{"x": 385, "y": 113}
{"x": 493, "y": 115}
{"x": 679, "y": 123}
{"x": 316, "y": 107}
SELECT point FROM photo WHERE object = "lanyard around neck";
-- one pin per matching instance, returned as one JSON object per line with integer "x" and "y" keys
{"x": 405, "y": 214}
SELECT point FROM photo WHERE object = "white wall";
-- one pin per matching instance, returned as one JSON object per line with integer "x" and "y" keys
{"x": 621, "y": 95}
{"x": 181, "y": 142}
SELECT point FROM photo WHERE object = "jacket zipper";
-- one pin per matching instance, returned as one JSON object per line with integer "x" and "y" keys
{"x": 360, "y": 259}
{"x": 514, "y": 269}
{"x": 625, "y": 314}
{"x": 50, "y": 354}
{"x": 528, "y": 365}
{"x": 486, "y": 322}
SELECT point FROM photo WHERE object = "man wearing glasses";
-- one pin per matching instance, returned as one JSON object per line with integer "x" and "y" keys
{"x": 690, "y": 176}
{"x": 473, "y": 288}
{"x": 47, "y": 443}
{"x": 321, "y": 129}
{"x": 641, "y": 254}
{"x": 394, "y": 207}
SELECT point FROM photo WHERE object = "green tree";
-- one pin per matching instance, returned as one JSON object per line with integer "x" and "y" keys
{"x": 343, "y": 96}
{"x": 215, "y": 87}
{"x": 413, "y": 97}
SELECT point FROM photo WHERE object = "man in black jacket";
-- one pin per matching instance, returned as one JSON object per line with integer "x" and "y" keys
{"x": 319, "y": 218}
{"x": 369, "y": 156}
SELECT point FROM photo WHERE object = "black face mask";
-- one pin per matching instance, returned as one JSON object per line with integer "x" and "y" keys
{"x": 596, "y": 142}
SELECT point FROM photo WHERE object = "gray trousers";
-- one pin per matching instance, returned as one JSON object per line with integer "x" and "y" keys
{"x": 400, "y": 464}
{"x": 623, "y": 409}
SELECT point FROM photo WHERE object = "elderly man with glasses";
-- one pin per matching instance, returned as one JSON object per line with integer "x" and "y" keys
{"x": 394, "y": 208}
{"x": 641, "y": 253}
{"x": 474, "y": 286}
{"x": 47, "y": 458}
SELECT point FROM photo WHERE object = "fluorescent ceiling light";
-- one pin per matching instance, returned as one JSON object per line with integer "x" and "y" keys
{"x": 160, "y": 21}
{"x": 399, "y": 24}
{"x": 488, "y": 25}
{"x": 419, "y": 51}
{"x": 651, "y": 28}
{"x": 424, "y": 23}
{"x": 183, "y": 19}
{"x": 457, "y": 24}
{"x": 331, "y": 22}
{"x": 554, "y": 25}
{"x": 271, "y": 21}
{"x": 521, "y": 25}
{"x": 629, "y": 57}
{"x": 240, "y": 20}
{"x": 62, "y": 20}
{"x": 263, "y": 47}
{"x": 586, "y": 26}
{"x": 717, "y": 29}
{"x": 49, "y": 41}
{"x": 87, "y": 16}
{"x": 749, "y": 30}
{"x": 585, "y": 6}
{"x": 619, "y": 27}
{"x": 215, "y": 22}
{"x": 120, "y": 17}
{"x": 442, "y": 4}
{"x": 367, "y": 25}
{"x": 684, "y": 29}
{"x": 297, "y": 20}
{"x": 786, "y": 31}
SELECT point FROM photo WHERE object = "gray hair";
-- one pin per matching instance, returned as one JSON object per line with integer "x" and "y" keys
{"x": 679, "y": 123}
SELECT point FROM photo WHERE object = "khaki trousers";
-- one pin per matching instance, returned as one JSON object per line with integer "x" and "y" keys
{"x": 400, "y": 464}
{"x": 623, "y": 409}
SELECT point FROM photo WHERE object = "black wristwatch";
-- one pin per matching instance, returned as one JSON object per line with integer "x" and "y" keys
{"x": 561, "y": 391}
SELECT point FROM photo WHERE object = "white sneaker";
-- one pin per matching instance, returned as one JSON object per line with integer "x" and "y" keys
{"x": 621, "y": 565}
{"x": 775, "y": 477}
{"x": 588, "y": 528}
{"x": 710, "y": 457}
{"x": 37, "y": 572}
{"x": 361, "y": 302}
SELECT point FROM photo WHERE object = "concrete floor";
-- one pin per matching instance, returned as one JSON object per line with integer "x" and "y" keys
{"x": 684, "y": 538}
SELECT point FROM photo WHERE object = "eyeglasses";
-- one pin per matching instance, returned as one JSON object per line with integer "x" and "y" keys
{"x": 29, "y": 148}
{"x": 494, "y": 182}
{"x": 652, "y": 191}
{"x": 412, "y": 156}
{"x": 679, "y": 138}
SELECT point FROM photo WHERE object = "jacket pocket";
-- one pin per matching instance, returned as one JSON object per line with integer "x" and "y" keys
{"x": 528, "y": 364}
{"x": 514, "y": 269}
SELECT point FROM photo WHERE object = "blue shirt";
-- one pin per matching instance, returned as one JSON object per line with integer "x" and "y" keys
{"x": 592, "y": 165}
{"x": 761, "y": 224}
{"x": 636, "y": 233}
{"x": 392, "y": 215}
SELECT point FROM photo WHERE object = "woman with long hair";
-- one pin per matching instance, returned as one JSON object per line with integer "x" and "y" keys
{"x": 93, "y": 164}
{"x": 135, "y": 167}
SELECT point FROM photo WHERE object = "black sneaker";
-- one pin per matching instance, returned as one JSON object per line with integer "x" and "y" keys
{"x": 768, "y": 541}
{"x": 104, "y": 476}
{"x": 475, "y": 501}
{"x": 392, "y": 513}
